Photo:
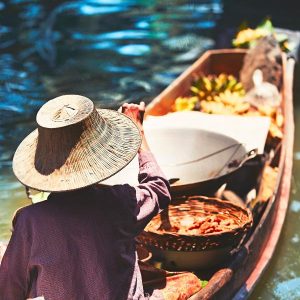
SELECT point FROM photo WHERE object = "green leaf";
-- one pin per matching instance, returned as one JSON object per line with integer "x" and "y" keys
{"x": 266, "y": 25}
{"x": 235, "y": 43}
{"x": 240, "y": 45}
{"x": 194, "y": 90}
{"x": 252, "y": 44}
{"x": 204, "y": 283}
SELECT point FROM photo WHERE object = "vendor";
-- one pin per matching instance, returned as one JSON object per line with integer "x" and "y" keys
{"x": 80, "y": 243}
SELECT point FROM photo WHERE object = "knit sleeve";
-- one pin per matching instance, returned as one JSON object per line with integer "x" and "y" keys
{"x": 153, "y": 191}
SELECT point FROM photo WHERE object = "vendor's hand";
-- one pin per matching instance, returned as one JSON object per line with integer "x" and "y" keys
{"x": 135, "y": 112}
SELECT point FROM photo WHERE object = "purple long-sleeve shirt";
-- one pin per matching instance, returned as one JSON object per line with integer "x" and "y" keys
{"x": 80, "y": 245}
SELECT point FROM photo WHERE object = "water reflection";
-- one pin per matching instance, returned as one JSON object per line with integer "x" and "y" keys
{"x": 289, "y": 289}
{"x": 111, "y": 51}
{"x": 295, "y": 206}
{"x": 12, "y": 197}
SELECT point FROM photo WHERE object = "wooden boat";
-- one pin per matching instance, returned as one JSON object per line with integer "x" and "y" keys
{"x": 239, "y": 276}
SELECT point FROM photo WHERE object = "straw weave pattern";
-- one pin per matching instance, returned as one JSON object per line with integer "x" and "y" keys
{"x": 198, "y": 206}
{"x": 78, "y": 155}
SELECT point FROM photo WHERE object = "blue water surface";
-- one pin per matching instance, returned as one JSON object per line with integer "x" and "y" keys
{"x": 112, "y": 51}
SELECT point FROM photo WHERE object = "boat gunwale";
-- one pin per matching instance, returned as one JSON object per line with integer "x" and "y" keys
{"x": 223, "y": 283}
{"x": 283, "y": 188}
{"x": 272, "y": 216}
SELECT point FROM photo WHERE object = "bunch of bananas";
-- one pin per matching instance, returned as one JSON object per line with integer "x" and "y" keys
{"x": 248, "y": 35}
{"x": 220, "y": 94}
{"x": 225, "y": 103}
{"x": 185, "y": 103}
{"x": 207, "y": 87}
{"x": 223, "y": 94}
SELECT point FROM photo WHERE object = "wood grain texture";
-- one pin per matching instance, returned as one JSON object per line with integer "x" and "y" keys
{"x": 239, "y": 277}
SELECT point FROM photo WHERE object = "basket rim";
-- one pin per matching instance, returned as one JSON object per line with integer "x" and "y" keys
{"x": 235, "y": 230}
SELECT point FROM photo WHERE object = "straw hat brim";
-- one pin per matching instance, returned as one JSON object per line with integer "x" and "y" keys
{"x": 94, "y": 158}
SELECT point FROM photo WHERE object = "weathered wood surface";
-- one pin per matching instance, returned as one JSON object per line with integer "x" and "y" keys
{"x": 241, "y": 274}
{"x": 283, "y": 193}
{"x": 250, "y": 263}
{"x": 238, "y": 279}
{"x": 212, "y": 61}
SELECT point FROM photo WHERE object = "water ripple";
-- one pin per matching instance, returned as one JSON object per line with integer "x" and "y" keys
{"x": 92, "y": 10}
{"x": 295, "y": 206}
{"x": 295, "y": 239}
{"x": 119, "y": 35}
{"x": 134, "y": 50}
{"x": 109, "y": 50}
{"x": 99, "y": 46}
{"x": 289, "y": 289}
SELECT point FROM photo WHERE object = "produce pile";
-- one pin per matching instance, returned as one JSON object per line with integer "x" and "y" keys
{"x": 214, "y": 94}
{"x": 224, "y": 94}
{"x": 196, "y": 218}
{"x": 196, "y": 225}
{"x": 247, "y": 37}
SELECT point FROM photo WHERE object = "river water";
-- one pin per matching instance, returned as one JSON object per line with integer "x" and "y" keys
{"x": 113, "y": 52}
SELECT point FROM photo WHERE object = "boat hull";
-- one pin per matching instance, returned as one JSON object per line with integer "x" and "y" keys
{"x": 237, "y": 279}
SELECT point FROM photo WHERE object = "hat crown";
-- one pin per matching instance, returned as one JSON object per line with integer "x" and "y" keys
{"x": 75, "y": 145}
{"x": 64, "y": 111}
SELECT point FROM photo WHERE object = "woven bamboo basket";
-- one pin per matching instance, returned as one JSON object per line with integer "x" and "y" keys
{"x": 160, "y": 231}
{"x": 143, "y": 253}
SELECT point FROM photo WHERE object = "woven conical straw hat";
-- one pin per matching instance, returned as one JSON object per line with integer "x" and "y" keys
{"x": 75, "y": 145}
